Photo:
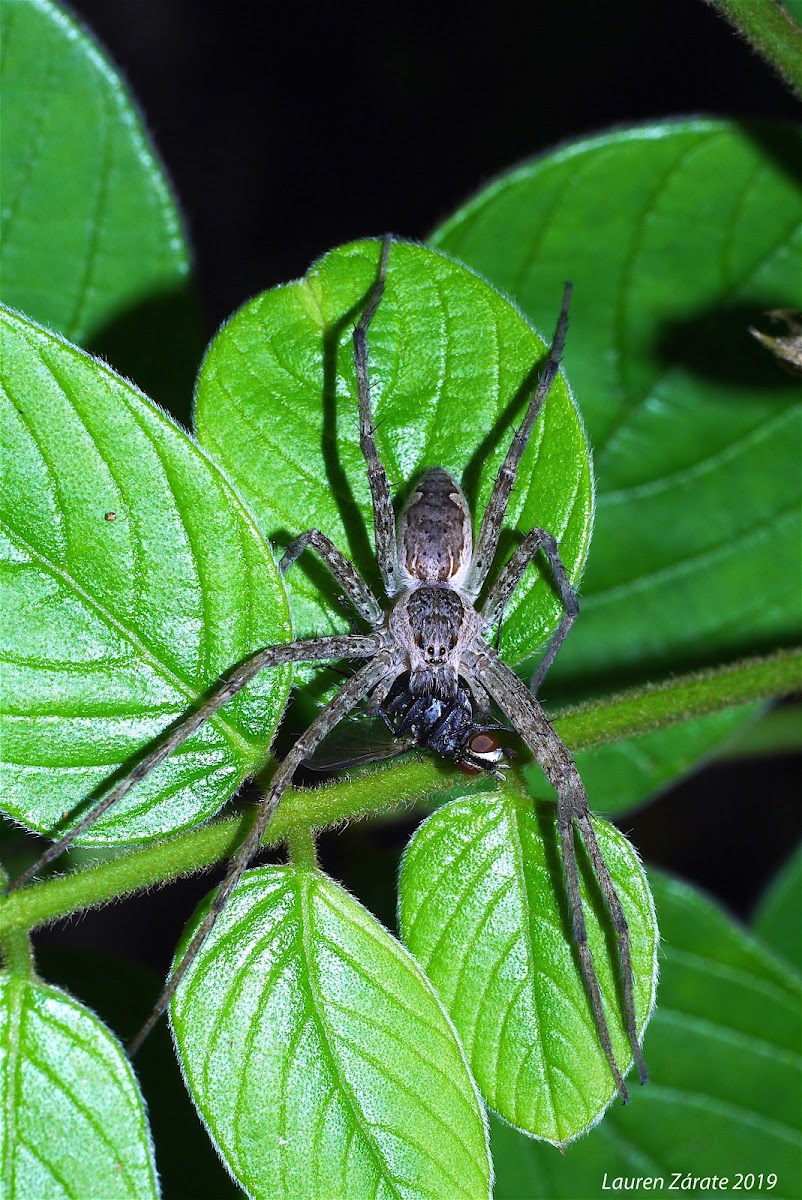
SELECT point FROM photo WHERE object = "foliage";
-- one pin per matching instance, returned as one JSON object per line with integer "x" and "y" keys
{"x": 724, "y": 1096}
{"x": 137, "y": 567}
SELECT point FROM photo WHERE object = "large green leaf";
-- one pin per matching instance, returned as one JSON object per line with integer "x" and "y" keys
{"x": 449, "y": 360}
{"x": 676, "y": 236}
{"x": 132, "y": 578}
{"x": 723, "y": 1052}
{"x": 482, "y": 907}
{"x": 319, "y": 1055}
{"x": 91, "y": 242}
{"x": 778, "y": 919}
{"x": 74, "y": 1124}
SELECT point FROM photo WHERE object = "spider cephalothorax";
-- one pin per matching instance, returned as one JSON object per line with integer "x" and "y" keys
{"x": 428, "y": 666}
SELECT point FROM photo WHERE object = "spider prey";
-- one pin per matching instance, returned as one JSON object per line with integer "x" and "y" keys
{"x": 429, "y": 668}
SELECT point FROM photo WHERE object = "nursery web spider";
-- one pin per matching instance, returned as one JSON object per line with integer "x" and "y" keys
{"x": 429, "y": 668}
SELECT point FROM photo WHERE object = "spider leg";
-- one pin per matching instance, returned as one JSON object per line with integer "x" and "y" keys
{"x": 621, "y": 928}
{"x": 353, "y": 646}
{"x": 530, "y": 722}
{"x": 338, "y": 707}
{"x": 510, "y": 577}
{"x": 490, "y": 530}
{"x": 362, "y": 599}
{"x": 383, "y": 516}
{"x": 381, "y": 691}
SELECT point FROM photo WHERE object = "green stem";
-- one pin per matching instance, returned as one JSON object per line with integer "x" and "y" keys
{"x": 771, "y": 31}
{"x": 15, "y": 947}
{"x": 407, "y": 783}
{"x": 301, "y": 846}
{"x": 646, "y": 709}
{"x": 411, "y": 782}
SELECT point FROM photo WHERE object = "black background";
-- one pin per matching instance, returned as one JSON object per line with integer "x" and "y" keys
{"x": 288, "y": 129}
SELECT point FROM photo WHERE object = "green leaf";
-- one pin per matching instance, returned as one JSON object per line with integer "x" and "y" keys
{"x": 676, "y": 236}
{"x": 318, "y": 1054}
{"x": 723, "y": 1053}
{"x": 483, "y": 908}
{"x": 449, "y": 361}
{"x": 91, "y": 242}
{"x": 74, "y": 1123}
{"x": 778, "y": 919}
{"x": 124, "y": 991}
{"x": 113, "y": 628}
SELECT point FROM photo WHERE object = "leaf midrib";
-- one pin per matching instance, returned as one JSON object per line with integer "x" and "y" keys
{"x": 303, "y": 888}
{"x": 516, "y": 842}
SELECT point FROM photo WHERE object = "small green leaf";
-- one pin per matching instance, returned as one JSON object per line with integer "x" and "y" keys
{"x": 319, "y": 1056}
{"x": 778, "y": 919}
{"x": 676, "y": 236}
{"x": 91, "y": 242}
{"x": 132, "y": 578}
{"x": 449, "y": 357}
{"x": 74, "y": 1124}
{"x": 483, "y": 908}
{"x": 723, "y": 1054}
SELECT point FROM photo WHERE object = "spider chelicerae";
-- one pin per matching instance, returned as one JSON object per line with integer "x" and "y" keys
{"x": 428, "y": 667}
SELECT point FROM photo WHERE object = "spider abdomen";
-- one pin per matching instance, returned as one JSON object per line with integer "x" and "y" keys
{"x": 435, "y": 536}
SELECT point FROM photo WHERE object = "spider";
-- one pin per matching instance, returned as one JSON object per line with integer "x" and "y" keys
{"x": 428, "y": 667}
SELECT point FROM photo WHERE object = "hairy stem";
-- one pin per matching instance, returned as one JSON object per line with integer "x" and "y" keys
{"x": 407, "y": 783}
{"x": 655, "y": 706}
{"x": 771, "y": 31}
{"x": 15, "y": 947}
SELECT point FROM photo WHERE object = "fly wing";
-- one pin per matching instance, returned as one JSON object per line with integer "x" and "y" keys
{"x": 355, "y": 743}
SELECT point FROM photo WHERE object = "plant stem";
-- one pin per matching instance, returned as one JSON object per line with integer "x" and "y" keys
{"x": 15, "y": 947}
{"x": 771, "y": 31}
{"x": 301, "y": 846}
{"x": 407, "y": 783}
{"x": 410, "y": 782}
{"x": 646, "y": 709}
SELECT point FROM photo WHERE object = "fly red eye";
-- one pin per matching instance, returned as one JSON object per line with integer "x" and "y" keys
{"x": 483, "y": 743}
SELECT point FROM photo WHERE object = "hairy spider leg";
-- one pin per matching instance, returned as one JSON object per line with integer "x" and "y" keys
{"x": 493, "y": 519}
{"x": 510, "y": 577}
{"x": 316, "y": 649}
{"x": 383, "y": 515}
{"x": 530, "y": 722}
{"x": 362, "y": 598}
{"x": 338, "y": 707}
{"x": 357, "y": 591}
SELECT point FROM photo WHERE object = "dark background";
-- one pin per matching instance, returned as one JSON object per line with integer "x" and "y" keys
{"x": 288, "y": 129}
